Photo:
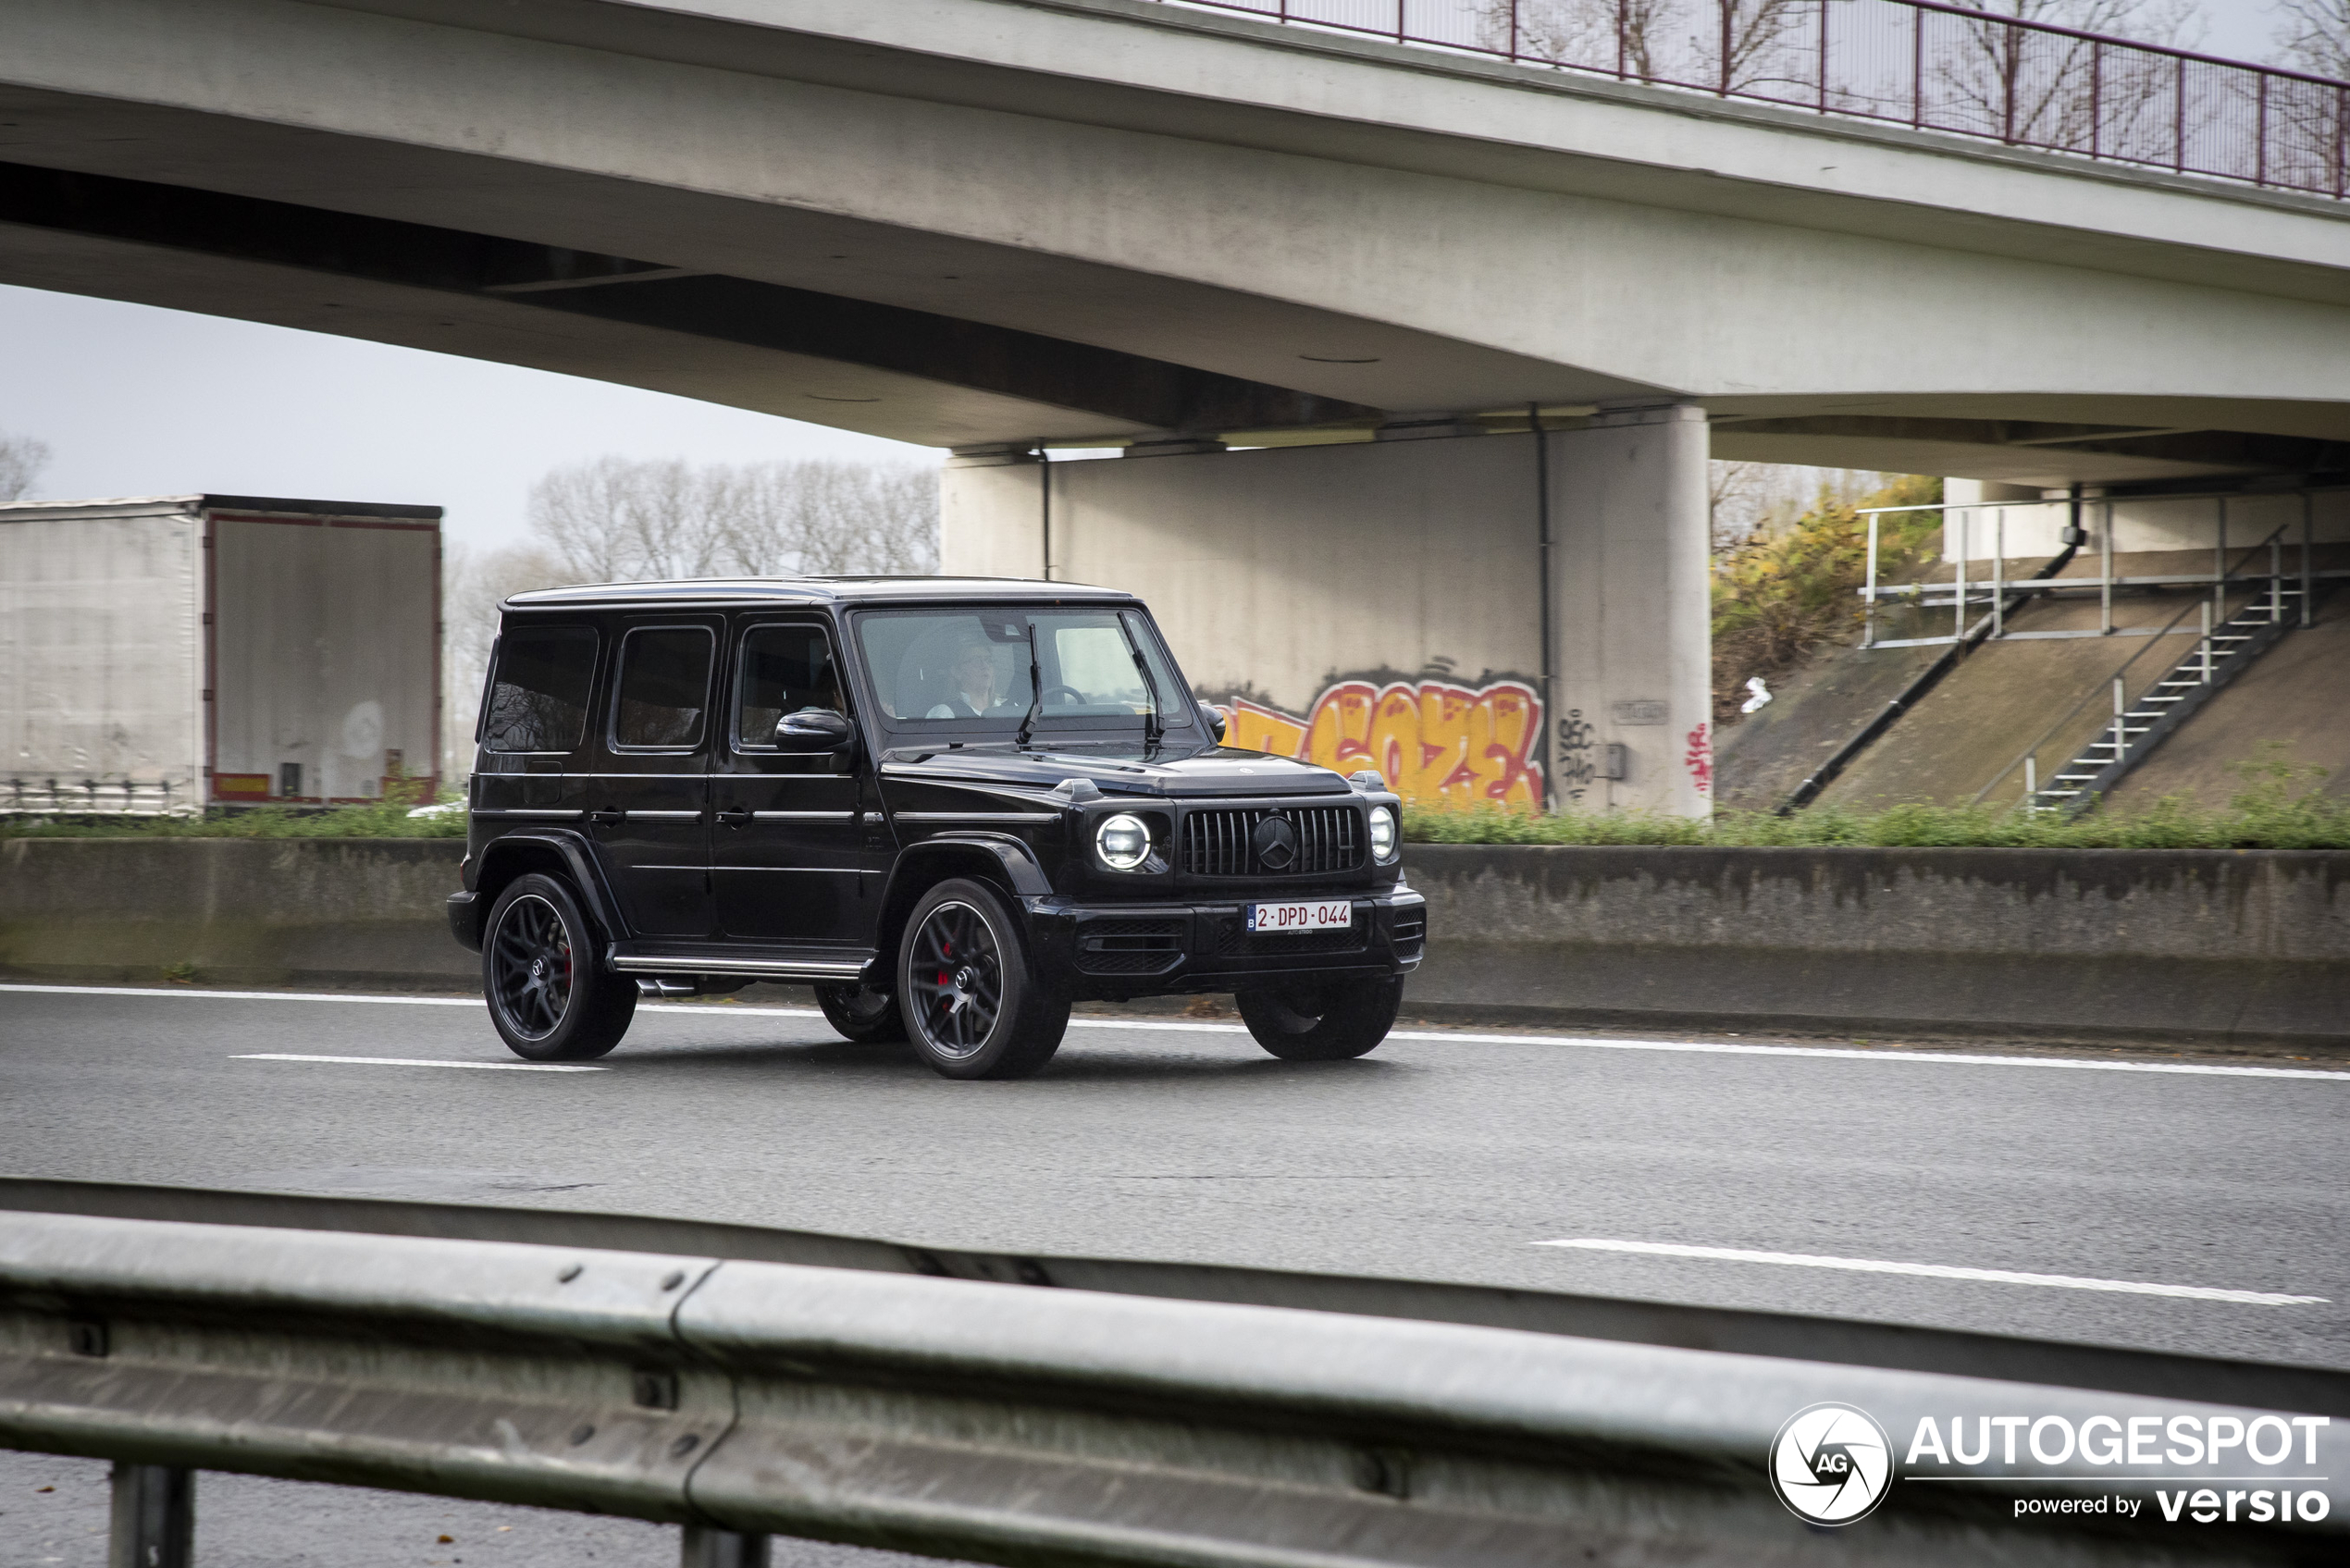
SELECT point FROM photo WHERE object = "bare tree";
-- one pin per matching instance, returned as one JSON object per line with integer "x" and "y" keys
{"x": 2306, "y": 122}
{"x": 1680, "y": 41}
{"x": 615, "y": 520}
{"x": 1745, "y": 498}
{"x": 1603, "y": 35}
{"x": 472, "y": 584}
{"x": 2051, "y": 89}
{"x": 21, "y": 460}
{"x": 2316, "y": 36}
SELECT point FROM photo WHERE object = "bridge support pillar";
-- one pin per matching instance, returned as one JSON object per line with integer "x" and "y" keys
{"x": 1380, "y": 603}
{"x": 1631, "y": 612}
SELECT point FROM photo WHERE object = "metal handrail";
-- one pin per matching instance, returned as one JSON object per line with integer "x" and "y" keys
{"x": 2104, "y": 92}
{"x": 989, "y": 1421}
{"x": 2120, "y": 672}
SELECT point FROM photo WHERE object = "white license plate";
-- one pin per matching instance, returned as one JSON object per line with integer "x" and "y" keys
{"x": 1312, "y": 914}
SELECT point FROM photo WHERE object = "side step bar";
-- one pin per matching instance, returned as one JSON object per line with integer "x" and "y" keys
{"x": 631, "y": 958}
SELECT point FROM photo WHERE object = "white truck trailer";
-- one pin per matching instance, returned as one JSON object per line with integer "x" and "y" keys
{"x": 165, "y": 653}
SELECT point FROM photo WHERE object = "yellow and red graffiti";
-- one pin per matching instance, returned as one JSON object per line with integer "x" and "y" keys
{"x": 1435, "y": 742}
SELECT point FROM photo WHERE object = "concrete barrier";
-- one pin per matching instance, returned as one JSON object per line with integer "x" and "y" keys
{"x": 235, "y": 911}
{"x": 2190, "y": 945}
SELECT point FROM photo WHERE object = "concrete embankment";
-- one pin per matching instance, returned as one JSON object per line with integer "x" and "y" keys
{"x": 2190, "y": 945}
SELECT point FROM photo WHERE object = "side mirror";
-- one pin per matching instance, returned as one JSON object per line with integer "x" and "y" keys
{"x": 813, "y": 730}
{"x": 1213, "y": 717}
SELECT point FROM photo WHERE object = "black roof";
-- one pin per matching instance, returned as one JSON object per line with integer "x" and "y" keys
{"x": 818, "y": 590}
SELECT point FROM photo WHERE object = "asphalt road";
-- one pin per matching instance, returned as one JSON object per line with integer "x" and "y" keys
{"x": 1445, "y": 1155}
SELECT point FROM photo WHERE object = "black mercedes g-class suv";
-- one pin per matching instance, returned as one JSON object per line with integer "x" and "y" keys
{"x": 955, "y": 806}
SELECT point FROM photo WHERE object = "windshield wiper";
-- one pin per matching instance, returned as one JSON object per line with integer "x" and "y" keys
{"x": 1154, "y": 728}
{"x": 1035, "y": 692}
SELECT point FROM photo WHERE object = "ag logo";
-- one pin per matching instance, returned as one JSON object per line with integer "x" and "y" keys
{"x": 1831, "y": 1463}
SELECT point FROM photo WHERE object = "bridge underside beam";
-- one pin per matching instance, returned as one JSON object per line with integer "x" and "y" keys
{"x": 715, "y": 320}
{"x": 981, "y": 222}
{"x": 2045, "y": 453}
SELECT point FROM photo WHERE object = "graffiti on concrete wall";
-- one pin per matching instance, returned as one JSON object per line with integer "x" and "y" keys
{"x": 1577, "y": 754}
{"x": 1435, "y": 742}
{"x": 1698, "y": 758}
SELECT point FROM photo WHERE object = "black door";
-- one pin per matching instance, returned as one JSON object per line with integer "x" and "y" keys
{"x": 787, "y": 850}
{"x": 648, "y": 805}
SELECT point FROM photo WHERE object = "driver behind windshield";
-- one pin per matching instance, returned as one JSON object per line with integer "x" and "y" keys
{"x": 972, "y": 677}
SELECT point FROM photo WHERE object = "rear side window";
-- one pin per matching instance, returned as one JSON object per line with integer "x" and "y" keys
{"x": 538, "y": 692}
{"x": 785, "y": 669}
{"x": 664, "y": 688}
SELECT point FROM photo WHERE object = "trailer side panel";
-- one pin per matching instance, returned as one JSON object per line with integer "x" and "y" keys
{"x": 100, "y": 664}
{"x": 325, "y": 655}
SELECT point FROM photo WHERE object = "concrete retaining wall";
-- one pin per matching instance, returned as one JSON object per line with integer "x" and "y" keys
{"x": 242, "y": 911}
{"x": 2183, "y": 944}
{"x": 2179, "y": 945}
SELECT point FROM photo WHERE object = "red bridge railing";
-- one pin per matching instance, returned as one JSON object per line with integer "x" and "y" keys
{"x": 1918, "y": 62}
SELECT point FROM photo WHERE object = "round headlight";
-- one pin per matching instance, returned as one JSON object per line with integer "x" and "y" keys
{"x": 1122, "y": 841}
{"x": 1382, "y": 834}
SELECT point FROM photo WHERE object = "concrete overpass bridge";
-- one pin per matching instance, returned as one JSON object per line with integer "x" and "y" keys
{"x": 994, "y": 223}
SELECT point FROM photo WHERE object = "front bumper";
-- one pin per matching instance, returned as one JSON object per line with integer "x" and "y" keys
{"x": 1113, "y": 951}
{"x": 465, "y": 910}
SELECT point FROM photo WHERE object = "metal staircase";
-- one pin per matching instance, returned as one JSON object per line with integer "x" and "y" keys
{"x": 2223, "y": 650}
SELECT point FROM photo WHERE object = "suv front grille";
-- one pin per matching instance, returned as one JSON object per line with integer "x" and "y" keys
{"x": 1222, "y": 843}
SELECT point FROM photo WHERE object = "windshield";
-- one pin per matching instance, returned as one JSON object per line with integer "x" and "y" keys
{"x": 965, "y": 672}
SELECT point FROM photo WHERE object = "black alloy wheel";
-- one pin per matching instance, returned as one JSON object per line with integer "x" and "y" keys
{"x": 865, "y": 1014}
{"x": 1326, "y": 1023}
{"x": 550, "y": 997}
{"x": 969, "y": 998}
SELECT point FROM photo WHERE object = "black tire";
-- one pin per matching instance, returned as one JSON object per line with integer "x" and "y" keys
{"x": 542, "y": 974}
{"x": 967, "y": 990}
{"x": 1322, "y": 1024}
{"x": 862, "y": 1013}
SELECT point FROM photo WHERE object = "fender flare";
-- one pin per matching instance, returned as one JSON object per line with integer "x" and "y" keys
{"x": 579, "y": 857}
{"x": 1018, "y": 863}
{"x": 1021, "y": 868}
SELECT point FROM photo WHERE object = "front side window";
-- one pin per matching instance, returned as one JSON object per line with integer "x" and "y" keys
{"x": 785, "y": 669}
{"x": 538, "y": 689}
{"x": 664, "y": 688}
{"x": 956, "y": 672}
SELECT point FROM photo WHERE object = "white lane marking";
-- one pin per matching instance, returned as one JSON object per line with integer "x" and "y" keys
{"x": 1833, "y": 1053}
{"x": 418, "y": 1062}
{"x": 1939, "y": 1271}
{"x": 2201, "y": 1069}
{"x": 248, "y": 995}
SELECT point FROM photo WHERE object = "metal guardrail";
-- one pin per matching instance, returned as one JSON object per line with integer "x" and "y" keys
{"x": 1030, "y": 1425}
{"x": 92, "y": 795}
{"x": 1916, "y": 63}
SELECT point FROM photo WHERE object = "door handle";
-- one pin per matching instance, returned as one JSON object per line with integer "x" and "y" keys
{"x": 736, "y": 817}
{"x": 608, "y": 817}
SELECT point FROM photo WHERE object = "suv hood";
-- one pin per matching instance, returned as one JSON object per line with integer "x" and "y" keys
{"x": 1216, "y": 769}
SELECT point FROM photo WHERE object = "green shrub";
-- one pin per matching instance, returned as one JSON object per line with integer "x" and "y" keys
{"x": 1789, "y": 586}
{"x": 2280, "y": 807}
{"x": 387, "y": 820}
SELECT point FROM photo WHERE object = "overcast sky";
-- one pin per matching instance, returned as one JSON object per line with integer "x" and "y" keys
{"x": 134, "y": 401}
